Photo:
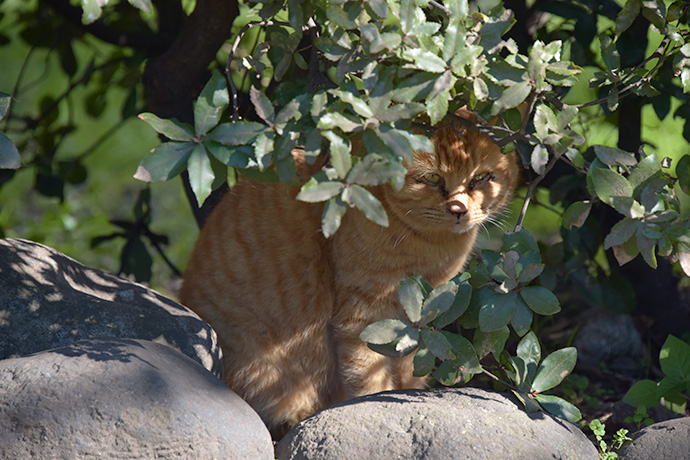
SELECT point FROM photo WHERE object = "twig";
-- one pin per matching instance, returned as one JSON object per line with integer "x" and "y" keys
{"x": 533, "y": 185}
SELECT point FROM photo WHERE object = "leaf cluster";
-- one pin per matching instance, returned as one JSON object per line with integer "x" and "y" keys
{"x": 487, "y": 299}
{"x": 674, "y": 388}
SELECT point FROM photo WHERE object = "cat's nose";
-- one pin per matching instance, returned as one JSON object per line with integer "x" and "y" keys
{"x": 457, "y": 208}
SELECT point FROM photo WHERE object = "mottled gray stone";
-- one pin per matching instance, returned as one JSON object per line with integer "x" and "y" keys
{"x": 613, "y": 340}
{"x": 459, "y": 424}
{"x": 669, "y": 440}
{"x": 49, "y": 300}
{"x": 122, "y": 399}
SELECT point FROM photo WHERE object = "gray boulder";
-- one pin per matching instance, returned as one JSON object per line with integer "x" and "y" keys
{"x": 664, "y": 440}
{"x": 122, "y": 398}
{"x": 49, "y": 300}
{"x": 465, "y": 423}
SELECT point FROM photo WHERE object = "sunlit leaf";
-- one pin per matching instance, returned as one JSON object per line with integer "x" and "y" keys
{"x": 200, "y": 173}
{"x": 555, "y": 367}
{"x": 674, "y": 358}
{"x": 370, "y": 206}
{"x": 9, "y": 155}
{"x": 262, "y": 105}
{"x": 642, "y": 393}
{"x": 576, "y": 214}
{"x": 314, "y": 191}
{"x": 172, "y": 129}
{"x": 210, "y": 104}
{"x": 340, "y": 153}
{"x": 608, "y": 183}
{"x": 333, "y": 212}
{"x": 384, "y": 331}
{"x": 614, "y": 157}
{"x": 165, "y": 161}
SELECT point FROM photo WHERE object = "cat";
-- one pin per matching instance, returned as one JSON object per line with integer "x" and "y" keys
{"x": 289, "y": 304}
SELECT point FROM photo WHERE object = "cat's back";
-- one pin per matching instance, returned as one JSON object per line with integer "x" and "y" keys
{"x": 259, "y": 251}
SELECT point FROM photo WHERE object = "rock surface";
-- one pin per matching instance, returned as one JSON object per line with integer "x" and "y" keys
{"x": 665, "y": 440}
{"x": 122, "y": 399}
{"x": 465, "y": 423}
{"x": 49, "y": 300}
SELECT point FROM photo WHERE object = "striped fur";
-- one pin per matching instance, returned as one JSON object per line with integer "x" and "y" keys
{"x": 289, "y": 304}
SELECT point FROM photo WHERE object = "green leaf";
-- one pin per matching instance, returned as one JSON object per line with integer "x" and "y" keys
{"x": 647, "y": 168}
{"x": 559, "y": 407}
{"x": 683, "y": 173}
{"x": 642, "y": 393}
{"x": 236, "y": 133}
{"x": 646, "y": 246}
{"x": 540, "y": 300}
{"x": 210, "y": 104}
{"x": 374, "y": 170}
{"x": 144, "y": 5}
{"x": 91, "y": 10}
{"x": 539, "y": 158}
{"x": 490, "y": 342}
{"x": 608, "y": 183}
{"x": 576, "y": 214}
{"x": 398, "y": 141}
{"x": 621, "y": 232}
{"x": 5, "y": 101}
{"x": 612, "y": 156}
{"x": 437, "y": 108}
{"x": 359, "y": 106}
{"x": 384, "y": 331}
{"x": 424, "y": 362}
{"x": 332, "y": 216}
{"x": 200, "y": 173}
{"x": 627, "y": 15}
{"x": 459, "y": 305}
{"x": 465, "y": 359}
{"x": 524, "y": 244}
{"x": 164, "y": 162}
{"x": 9, "y": 155}
{"x": 340, "y": 153}
{"x": 627, "y": 206}
{"x": 407, "y": 15}
{"x": 497, "y": 311}
{"x": 512, "y": 97}
{"x": 425, "y": 60}
{"x": 529, "y": 349}
{"x": 411, "y": 298}
{"x": 437, "y": 343}
{"x": 674, "y": 358}
{"x": 522, "y": 319}
{"x": 343, "y": 121}
{"x": 370, "y": 206}
{"x": 439, "y": 301}
{"x": 314, "y": 191}
{"x": 262, "y": 105}
{"x": 172, "y": 129}
{"x": 555, "y": 367}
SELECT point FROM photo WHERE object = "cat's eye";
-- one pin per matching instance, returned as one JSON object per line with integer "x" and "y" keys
{"x": 433, "y": 179}
{"x": 481, "y": 178}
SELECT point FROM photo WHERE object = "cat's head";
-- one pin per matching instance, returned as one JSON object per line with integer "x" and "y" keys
{"x": 467, "y": 181}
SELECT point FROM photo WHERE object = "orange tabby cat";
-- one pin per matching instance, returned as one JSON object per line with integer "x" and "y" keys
{"x": 289, "y": 304}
